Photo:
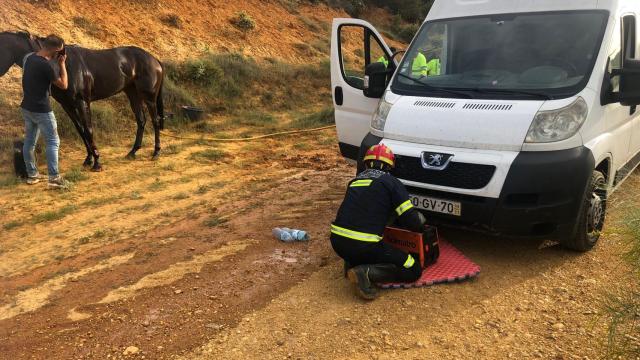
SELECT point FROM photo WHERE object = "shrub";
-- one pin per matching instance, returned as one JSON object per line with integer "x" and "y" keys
{"x": 201, "y": 72}
{"x": 87, "y": 25}
{"x": 172, "y": 20}
{"x": 407, "y": 32}
{"x": 243, "y": 21}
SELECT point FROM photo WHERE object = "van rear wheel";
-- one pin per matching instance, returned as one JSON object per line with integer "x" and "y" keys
{"x": 592, "y": 215}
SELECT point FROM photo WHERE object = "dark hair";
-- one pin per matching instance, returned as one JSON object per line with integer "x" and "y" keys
{"x": 52, "y": 42}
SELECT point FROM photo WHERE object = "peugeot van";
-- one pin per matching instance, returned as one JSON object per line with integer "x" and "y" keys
{"x": 523, "y": 122}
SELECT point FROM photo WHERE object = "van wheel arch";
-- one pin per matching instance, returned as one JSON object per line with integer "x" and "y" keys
{"x": 591, "y": 217}
{"x": 604, "y": 167}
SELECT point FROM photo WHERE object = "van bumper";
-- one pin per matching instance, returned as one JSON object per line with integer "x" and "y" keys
{"x": 541, "y": 196}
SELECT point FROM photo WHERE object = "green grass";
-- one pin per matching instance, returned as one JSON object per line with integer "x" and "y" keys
{"x": 311, "y": 24}
{"x": 203, "y": 189}
{"x": 135, "y": 195}
{"x": 623, "y": 340}
{"x": 180, "y": 196}
{"x": 87, "y": 25}
{"x": 76, "y": 175}
{"x": 157, "y": 185}
{"x": 209, "y": 155}
{"x": 253, "y": 118}
{"x": 173, "y": 149}
{"x": 9, "y": 181}
{"x": 302, "y": 146}
{"x": 321, "y": 118}
{"x": 54, "y": 214}
{"x": 214, "y": 221}
{"x": 12, "y": 225}
{"x": 100, "y": 201}
{"x": 226, "y": 82}
{"x": 169, "y": 167}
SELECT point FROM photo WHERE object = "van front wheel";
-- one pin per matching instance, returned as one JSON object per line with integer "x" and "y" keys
{"x": 592, "y": 215}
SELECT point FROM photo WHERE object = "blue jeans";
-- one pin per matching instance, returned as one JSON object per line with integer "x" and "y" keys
{"x": 34, "y": 124}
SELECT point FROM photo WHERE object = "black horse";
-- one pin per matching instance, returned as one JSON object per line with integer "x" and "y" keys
{"x": 96, "y": 75}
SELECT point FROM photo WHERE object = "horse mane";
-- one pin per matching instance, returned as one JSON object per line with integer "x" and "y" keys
{"x": 23, "y": 33}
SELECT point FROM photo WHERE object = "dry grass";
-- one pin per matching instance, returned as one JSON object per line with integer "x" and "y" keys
{"x": 623, "y": 341}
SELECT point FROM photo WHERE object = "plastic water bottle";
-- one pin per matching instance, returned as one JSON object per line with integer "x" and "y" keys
{"x": 282, "y": 235}
{"x": 299, "y": 235}
{"x": 290, "y": 235}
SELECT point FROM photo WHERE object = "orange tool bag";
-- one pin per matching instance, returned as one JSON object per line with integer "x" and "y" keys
{"x": 411, "y": 242}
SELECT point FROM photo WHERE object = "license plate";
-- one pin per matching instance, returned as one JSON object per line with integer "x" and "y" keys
{"x": 437, "y": 205}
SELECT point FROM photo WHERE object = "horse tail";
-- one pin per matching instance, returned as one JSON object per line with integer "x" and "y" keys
{"x": 160, "y": 102}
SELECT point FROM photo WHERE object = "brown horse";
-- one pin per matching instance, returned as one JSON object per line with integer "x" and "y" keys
{"x": 96, "y": 75}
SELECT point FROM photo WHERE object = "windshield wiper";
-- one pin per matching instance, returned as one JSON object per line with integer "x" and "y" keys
{"x": 435, "y": 88}
{"x": 507, "y": 91}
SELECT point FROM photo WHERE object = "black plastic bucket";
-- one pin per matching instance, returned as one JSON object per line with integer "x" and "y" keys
{"x": 192, "y": 113}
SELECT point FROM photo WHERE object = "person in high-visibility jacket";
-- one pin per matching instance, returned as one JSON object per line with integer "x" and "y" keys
{"x": 420, "y": 67}
{"x": 383, "y": 59}
{"x": 433, "y": 67}
{"x": 374, "y": 198}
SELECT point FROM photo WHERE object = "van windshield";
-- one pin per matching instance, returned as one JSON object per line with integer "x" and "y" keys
{"x": 515, "y": 56}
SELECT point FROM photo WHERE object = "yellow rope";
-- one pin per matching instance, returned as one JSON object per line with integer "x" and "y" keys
{"x": 251, "y": 138}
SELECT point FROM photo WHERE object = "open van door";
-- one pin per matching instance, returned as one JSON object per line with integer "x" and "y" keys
{"x": 354, "y": 45}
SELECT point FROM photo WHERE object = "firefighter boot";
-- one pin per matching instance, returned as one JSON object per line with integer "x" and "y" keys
{"x": 365, "y": 278}
{"x": 383, "y": 273}
{"x": 359, "y": 277}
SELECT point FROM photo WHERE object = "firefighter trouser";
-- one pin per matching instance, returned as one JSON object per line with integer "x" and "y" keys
{"x": 367, "y": 253}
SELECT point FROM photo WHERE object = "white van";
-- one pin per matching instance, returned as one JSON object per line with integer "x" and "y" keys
{"x": 522, "y": 121}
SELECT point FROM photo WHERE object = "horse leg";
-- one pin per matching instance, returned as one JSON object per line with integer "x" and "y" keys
{"x": 84, "y": 110}
{"x": 155, "y": 120}
{"x": 75, "y": 119}
{"x": 136, "y": 106}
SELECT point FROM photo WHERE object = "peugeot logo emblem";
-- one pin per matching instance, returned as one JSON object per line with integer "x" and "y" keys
{"x": 435, "y": 161}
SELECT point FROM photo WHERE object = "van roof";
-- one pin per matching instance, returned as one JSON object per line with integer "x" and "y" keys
{"x": 443, "y": 9}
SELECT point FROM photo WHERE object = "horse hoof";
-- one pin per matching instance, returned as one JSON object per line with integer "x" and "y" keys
{"x": 97, "y": 168}
{"x": 87, "y": 164}
{"x": 155, "y": 157}
{"x": 130, "y": 156}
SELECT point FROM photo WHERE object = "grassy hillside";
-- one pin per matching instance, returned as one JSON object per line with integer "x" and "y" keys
{"x": 255, "y": 66}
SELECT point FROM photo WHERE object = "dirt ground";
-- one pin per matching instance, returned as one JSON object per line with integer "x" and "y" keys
{"x": 175, "y": 258}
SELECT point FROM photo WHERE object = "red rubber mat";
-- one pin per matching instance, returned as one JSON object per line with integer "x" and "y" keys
{"x": 452, "y": 266}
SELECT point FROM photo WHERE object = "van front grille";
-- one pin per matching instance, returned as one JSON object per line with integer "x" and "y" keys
{"x": 456, "y": 175}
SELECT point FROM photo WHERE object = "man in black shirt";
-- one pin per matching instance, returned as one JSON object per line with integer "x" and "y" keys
{"x": 38, "y": 75}
{"x": 373, "y": 199}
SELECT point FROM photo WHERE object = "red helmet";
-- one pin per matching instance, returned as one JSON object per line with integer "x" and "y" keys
{"x": 380, "y": 153}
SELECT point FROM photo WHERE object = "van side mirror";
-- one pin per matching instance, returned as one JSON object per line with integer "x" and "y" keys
{"x": 375, "y": 80}
{"x": 630, "y": 83}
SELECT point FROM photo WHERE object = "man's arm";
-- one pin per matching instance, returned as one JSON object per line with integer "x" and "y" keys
{"x": 407, "y": 216}
{"x": 412, "y": 220}
{"x": 63, "y": 81}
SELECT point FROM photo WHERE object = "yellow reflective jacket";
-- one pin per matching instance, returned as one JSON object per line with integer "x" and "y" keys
{"x": 383, "y": 59}
{"x": 433, "y": 67}
{"x": 420, "y": 67}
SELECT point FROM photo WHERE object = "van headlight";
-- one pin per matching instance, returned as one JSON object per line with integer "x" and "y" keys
{"x": 380, "y": 116}
{"x": 558, "y": 125}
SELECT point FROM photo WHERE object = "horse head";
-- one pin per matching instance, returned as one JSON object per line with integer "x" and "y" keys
{"x": 14, "y": 46}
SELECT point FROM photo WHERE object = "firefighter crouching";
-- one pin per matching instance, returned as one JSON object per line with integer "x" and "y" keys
{"x": 373, "y": 200}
